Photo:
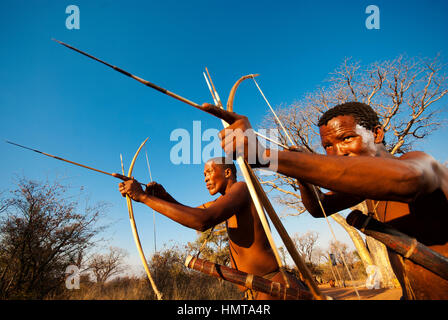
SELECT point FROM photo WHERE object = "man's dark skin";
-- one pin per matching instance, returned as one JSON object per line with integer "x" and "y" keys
{"x": 408, "y": 192}
{"x": 249, "y": 247}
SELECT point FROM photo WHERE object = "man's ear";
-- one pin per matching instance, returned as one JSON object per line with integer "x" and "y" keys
{"x": 378, "y": 133}
{"x": 227, "y": 173}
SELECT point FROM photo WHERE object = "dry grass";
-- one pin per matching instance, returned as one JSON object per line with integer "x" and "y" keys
{"x": 192, "y": 286}
{"x": 173, "y": 280}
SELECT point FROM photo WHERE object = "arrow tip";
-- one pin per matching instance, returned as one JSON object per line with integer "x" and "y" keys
{"x": 60, "y": 42}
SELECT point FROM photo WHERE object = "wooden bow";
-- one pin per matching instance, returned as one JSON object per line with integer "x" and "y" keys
{"x": 129, "y": 202}
{"x": 253, "y": 183}
{"x": 134, "y": 227}
{"x": 261, "y": 200}
{"x": 313, "y": 187}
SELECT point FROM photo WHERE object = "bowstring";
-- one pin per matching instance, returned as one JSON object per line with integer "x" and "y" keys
{"x": 218, "y": 102}
{"x": 313, "y": 187}
{"x": 153, "y": 211}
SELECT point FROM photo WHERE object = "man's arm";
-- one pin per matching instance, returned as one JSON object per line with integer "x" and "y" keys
{"x": 157, "y": 190}
{"x": 206, "y": 205}
{"x": 196, "y": 218}
{"x": 378, "y": 178}
{"x": 320, "y": 204}
{"x": 332, "y": 202}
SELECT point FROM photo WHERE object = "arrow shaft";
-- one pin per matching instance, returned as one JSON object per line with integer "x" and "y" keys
{"x": 145, "y": 82}
{"x": 215, "y": 111}
{"x": 68, "y": 161}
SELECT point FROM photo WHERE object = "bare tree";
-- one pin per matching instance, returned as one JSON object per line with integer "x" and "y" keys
{"x": 407, "y": 93}
{"x": 283, "y": 255}
{"x": 341, "y": 256}
{"x": 340, "y": 251}
{"x": 319, "y": 256}
{"x": 306, "y": 244}
{"x": 104, "y": 266}
{"x": 363, "y": 252}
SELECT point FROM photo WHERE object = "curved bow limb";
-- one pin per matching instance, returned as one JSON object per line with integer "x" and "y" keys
{"x": 246, "y": 171}
{"x": 235, "y": 87}
{"x": 313, "y": 187}
{"x": 244, "y": 167}
{"x": 259, "y": 198}
{"x": 134, "y": 228}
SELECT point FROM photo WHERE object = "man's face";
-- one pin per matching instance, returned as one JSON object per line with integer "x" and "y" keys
{"x": 214, "y": 178}
{"x": 342, "y": 136}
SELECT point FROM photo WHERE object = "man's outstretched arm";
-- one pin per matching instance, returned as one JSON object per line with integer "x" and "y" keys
{"x": 332, "y": 202}
{"x": 378, "y": 178}
{"x": 196, "y": 218}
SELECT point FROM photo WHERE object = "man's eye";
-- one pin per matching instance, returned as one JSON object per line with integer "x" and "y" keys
{"x": 327, "y": 147}
{"x": 348, "y": 138}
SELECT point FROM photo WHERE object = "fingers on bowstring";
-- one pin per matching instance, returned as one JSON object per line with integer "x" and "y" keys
{"x": 149, "y": 187}
{"x": 152, "y": 185}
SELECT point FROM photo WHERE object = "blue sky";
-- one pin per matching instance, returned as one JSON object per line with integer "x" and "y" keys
{"x": 60, "y": 102}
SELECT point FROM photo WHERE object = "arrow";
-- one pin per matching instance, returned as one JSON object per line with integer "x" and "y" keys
{"x": 115, "y": 175}
{"x": 217, "y": 112}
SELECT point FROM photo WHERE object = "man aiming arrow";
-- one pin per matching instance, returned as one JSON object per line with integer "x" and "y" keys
{"x": 250, "y": 250}
{"x": 409, "y": 193}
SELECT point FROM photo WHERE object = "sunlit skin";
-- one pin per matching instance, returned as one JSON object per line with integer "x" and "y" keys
{"x": 249, "y": 248}
{"x": 410, "y": 191}
{"x": 216, "y": 180}
{"x": 342, "y": 136}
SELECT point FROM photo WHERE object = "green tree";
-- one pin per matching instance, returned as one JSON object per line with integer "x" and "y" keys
{"x": 213, "y": 245}
{"x": 41, "y": 233}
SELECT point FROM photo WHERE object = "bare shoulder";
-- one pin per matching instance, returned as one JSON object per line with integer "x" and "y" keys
{"x": 240, "y": 189}
{"x": 423, "y": 159}
{"x": 430, "y": 169}
{"x": 239, "y": 186}
{"x": 416, "y": 155}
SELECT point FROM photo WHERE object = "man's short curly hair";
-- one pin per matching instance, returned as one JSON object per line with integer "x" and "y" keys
{"x": 225, "y": 163}
{"x": 364, "y": 115}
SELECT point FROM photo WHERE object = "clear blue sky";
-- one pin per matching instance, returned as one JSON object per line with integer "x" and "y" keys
{"x": 60, "y": 102}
